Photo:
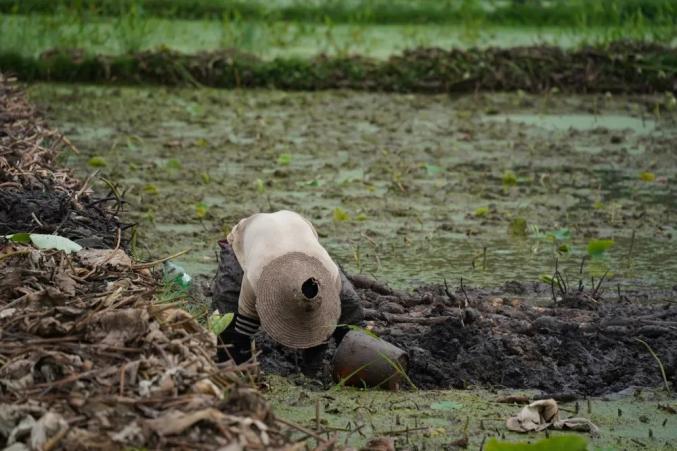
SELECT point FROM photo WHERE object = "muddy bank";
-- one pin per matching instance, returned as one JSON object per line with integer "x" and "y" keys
{"x": 587, "y": 344}
{"x": 621, "y": 67}
{"x": 35, "y": 195}
{"x": 89, "y": 358}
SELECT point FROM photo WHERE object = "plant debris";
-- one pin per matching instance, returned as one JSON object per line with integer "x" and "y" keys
{"x": 35, "y": 195}
{"x": 620, "y": 67}
{"x": 544, "y": 414}
{"x": 88, "y": 358}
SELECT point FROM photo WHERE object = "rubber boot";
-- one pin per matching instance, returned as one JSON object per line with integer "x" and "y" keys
{"x": 312, "y": 363}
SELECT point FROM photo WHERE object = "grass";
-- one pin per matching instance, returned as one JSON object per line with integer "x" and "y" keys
{"x": 31, "y": 35}
{"x": 660, "y": 364}
{"x": 30, "y": 27}
{"x": 514, "y": 13}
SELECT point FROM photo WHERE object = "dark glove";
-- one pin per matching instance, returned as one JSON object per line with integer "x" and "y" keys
{"x": 312, "y": 363}
{"x": 339, "y": 333}
{"x": 237, "y": 340}
{"x": 352, "y": 313}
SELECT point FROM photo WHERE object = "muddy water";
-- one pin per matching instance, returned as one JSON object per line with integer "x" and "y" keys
{"x": 411, "y": 189}
{"x": 424, "y": 184}
{"x": 433, "y": 419}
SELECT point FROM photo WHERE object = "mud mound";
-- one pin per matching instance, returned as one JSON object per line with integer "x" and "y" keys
{"x": 35, "y": 195}
{"x": 582, "y": 345}
{"x": 621, "y": 66}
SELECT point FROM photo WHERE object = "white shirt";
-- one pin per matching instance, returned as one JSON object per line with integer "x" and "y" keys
{"x": 263, "y": 237}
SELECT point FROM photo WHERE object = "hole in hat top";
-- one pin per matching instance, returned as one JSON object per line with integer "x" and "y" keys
{"x": 310, "y": 288}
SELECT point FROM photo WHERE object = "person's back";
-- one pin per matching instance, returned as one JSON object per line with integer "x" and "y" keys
{"x": 263, "y": 237}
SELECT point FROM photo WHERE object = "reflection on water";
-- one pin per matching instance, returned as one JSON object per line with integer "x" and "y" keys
{"x": 580, "y": 121}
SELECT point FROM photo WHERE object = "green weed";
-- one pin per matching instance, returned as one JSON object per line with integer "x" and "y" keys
{"x": 132, "y": 28}
{"x": 97, "y": 162}
{"x": 597, "y": 247}
{"x": 559, "y": 443}
{"x": 340, "y": 215}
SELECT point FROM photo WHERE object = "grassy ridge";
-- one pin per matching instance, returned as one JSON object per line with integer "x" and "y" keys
{"x": 533, "y": 13}
{"x": 621, "y": 67}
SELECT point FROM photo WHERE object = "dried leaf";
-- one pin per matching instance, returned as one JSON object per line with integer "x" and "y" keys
{"x": 207, "y": 387}
{"x": 544, "y": 414}
{"x": 535, "y": 417}
{"x": 65, "y": 283}
{"x": 7, "y": 313}
{"x": 11, "y": 415}
{"x": 577, "y": 424}
{"x": 132, "y": 433}
{"x": 117, "y": 327}
{"x": 514, "y": 399}
{"x": 175, "y": 422}
{"x": 115, "y": 258}
{"x": 181, "y": 318}
{"x": 49, "y": 425}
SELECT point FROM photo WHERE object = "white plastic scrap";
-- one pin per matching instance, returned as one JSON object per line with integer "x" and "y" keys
{"x": 47, "y": 242}
{"x": 544, "y": 414}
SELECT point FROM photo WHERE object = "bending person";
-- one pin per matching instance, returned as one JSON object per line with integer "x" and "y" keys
{"x": 274, "y": 274}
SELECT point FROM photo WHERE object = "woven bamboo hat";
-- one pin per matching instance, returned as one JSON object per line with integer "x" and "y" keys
{"x": 297, "y": 300}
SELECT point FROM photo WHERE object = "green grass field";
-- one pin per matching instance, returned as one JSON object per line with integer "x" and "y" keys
{"x": 516, "y": 13}
{"x": 29, "y": 28}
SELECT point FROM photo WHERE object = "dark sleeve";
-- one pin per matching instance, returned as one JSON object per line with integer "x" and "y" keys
{"x": 227, "y": 282}
{"x": 352, "y": 313}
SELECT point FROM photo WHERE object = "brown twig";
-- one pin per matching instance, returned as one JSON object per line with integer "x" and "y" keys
{"x": 660, "y": 364}
{"x": 300, "y": 428}
{"x": 161, "y": 260}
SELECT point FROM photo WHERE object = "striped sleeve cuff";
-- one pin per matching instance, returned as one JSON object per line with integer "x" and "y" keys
{"x": 246, "y": 326}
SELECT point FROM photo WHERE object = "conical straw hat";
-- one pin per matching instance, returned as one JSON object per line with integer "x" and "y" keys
{"x": 297, "y": 300}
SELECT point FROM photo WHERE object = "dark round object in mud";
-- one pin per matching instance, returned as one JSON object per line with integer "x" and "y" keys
{"x": 363, "y": 360}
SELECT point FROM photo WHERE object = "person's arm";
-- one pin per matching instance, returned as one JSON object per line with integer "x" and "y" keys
{"x": 352, "y": 313}
{"x": 239, "y": 333}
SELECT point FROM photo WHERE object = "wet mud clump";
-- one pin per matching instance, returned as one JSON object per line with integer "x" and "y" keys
{"x": 580, "y": 345}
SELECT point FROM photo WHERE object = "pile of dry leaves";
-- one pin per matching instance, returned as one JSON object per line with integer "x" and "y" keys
{"x": 37, "y": 196}
{"x": 88, "y": 358}
{"x": 28, "y": 146}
